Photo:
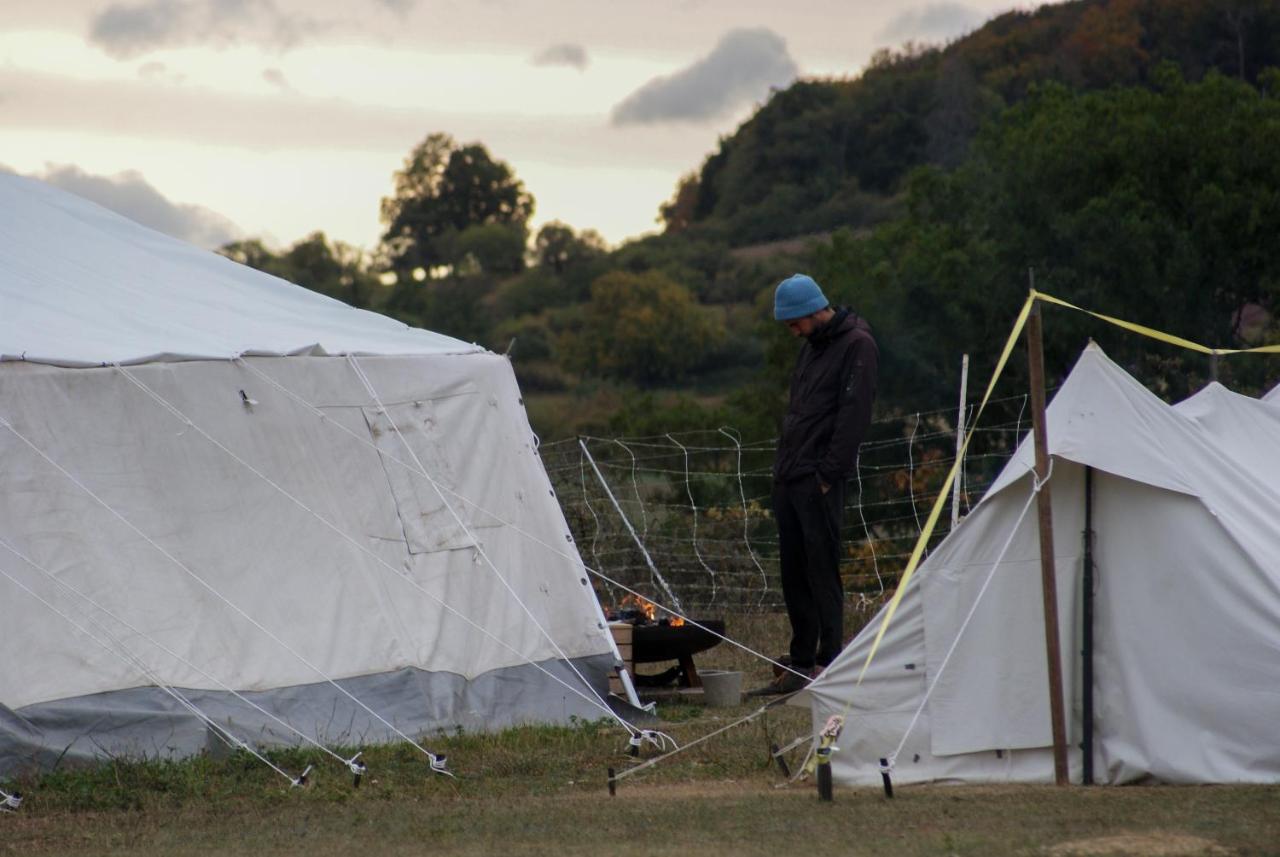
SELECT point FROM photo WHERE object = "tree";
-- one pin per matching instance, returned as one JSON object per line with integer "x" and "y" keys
{"x": 493, "y": 248}
{"x": 331, "y": 268}
{"x": 558, "y": 248}
{"x": 644, "y": 328}
{"x": 334, "y": 268}
{"x": 442, "y": 190}
{"x": 455, "y": 307}
{"x": 678, "y": 213}
{"x": 252, "y": 252}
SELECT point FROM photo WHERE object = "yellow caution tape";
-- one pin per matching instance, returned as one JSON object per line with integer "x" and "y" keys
{"x": 1156, "y": 334}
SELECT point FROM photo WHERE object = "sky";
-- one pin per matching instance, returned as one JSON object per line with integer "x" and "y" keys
{"x": 217, "y": 120}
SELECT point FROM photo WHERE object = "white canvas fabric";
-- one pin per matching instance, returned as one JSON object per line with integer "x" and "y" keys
{"x": 324, "y": 596}
{"x": 1187, "y": 606}
{"x": 83, "y": 286}
{"x": 317, "y": 556}
{"x": 1274, "y": 395}
{"x": 1239, "y": 426}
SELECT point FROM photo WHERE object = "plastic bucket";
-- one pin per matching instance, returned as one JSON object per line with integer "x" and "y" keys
{"x": 721, "y": 688}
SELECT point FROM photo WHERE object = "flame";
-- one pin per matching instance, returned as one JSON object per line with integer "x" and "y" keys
{"x": 650, "y": 610}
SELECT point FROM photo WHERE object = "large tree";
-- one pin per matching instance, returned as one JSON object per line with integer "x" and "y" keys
{"x": 443, "y": 190}
{"x": 557, "y": 246}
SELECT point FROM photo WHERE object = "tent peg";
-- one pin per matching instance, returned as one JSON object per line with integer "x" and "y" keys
{"x": 825, "y": 791}
{"x": 885, "y": 768}
{"x": 822, "y": 755}
{"x": 781, "y": 760}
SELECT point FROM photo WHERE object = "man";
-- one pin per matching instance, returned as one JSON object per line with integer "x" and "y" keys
{"x": 829, "y": 412}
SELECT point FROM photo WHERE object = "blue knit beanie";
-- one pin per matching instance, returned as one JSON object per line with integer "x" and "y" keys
{"x": 796, "y": 297}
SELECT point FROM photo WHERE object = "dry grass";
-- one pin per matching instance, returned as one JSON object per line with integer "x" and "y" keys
{"x": 541, "y": 790}
{"x": 726, "y": 815}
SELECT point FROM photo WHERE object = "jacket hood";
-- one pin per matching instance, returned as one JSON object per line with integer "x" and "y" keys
{"x": 844, "y": 320}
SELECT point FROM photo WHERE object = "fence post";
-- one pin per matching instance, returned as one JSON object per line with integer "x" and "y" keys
{"x": 955, "y": 485}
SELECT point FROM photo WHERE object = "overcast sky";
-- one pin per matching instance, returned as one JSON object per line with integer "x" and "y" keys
{"x": 217, "y": 119}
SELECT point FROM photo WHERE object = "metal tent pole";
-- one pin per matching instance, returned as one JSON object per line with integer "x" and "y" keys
{"x": 653, "y": 569}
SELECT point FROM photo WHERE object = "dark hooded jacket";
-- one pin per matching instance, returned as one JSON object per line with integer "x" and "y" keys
{"x": 832, "y": 388}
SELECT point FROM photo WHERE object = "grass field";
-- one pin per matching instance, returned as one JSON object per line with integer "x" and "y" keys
{"x": 542, "y": 790}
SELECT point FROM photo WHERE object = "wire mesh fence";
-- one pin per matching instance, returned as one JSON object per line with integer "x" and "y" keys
{"x": 685, "y": 516}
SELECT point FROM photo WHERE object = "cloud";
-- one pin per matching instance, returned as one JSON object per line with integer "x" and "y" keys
{"x": 934, "y": 23}
{"x": 275, "y": 77}
{"x": 128, "y": 30}
{"x": 158, "y": 71}
{"x": 563, "y": 53}
{"x": 131, "y": 195}
{"x": 297, "y": 126}
{"x": 741, "y": 67}
{"x": 400, "y": 7}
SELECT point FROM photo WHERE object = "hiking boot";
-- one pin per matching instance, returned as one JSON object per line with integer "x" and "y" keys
{"x": 782, "y": 685}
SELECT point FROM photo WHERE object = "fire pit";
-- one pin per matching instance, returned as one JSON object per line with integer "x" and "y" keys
{"x": 654, "y": 643}
{"x": 655, "y": 640}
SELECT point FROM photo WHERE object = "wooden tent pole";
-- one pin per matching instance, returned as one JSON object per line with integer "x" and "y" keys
{"x": 1086, "y": 631}
{"x": 1048, "y": 577}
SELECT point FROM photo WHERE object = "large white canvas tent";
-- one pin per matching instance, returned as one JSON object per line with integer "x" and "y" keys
{"x": 1186, "y": 639}
{"x": 207, "y": 483}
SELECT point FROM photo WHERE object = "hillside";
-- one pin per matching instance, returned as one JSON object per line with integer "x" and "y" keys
{"x": 829, "y": 153}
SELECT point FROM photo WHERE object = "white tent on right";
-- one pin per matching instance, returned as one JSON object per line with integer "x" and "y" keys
{"x": 1185, "y": 515}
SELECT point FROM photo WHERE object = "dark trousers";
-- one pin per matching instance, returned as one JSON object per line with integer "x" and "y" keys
{"x": 809, "y": 553}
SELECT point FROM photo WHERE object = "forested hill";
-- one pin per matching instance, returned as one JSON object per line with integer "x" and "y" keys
{"x": 1124, "y": 150}
{"x": 830, "y": 153}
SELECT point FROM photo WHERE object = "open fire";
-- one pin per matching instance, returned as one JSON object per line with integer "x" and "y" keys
{"x": 653, "y": 635}
{"x": 641, "y": 611}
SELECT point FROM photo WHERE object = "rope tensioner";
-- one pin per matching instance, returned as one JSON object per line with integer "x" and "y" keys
{"x": 357, "y": 769}
{"x": 10, "y": 802}
{"x": 440, "y": 764}
{"x": 650, "y": 736}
